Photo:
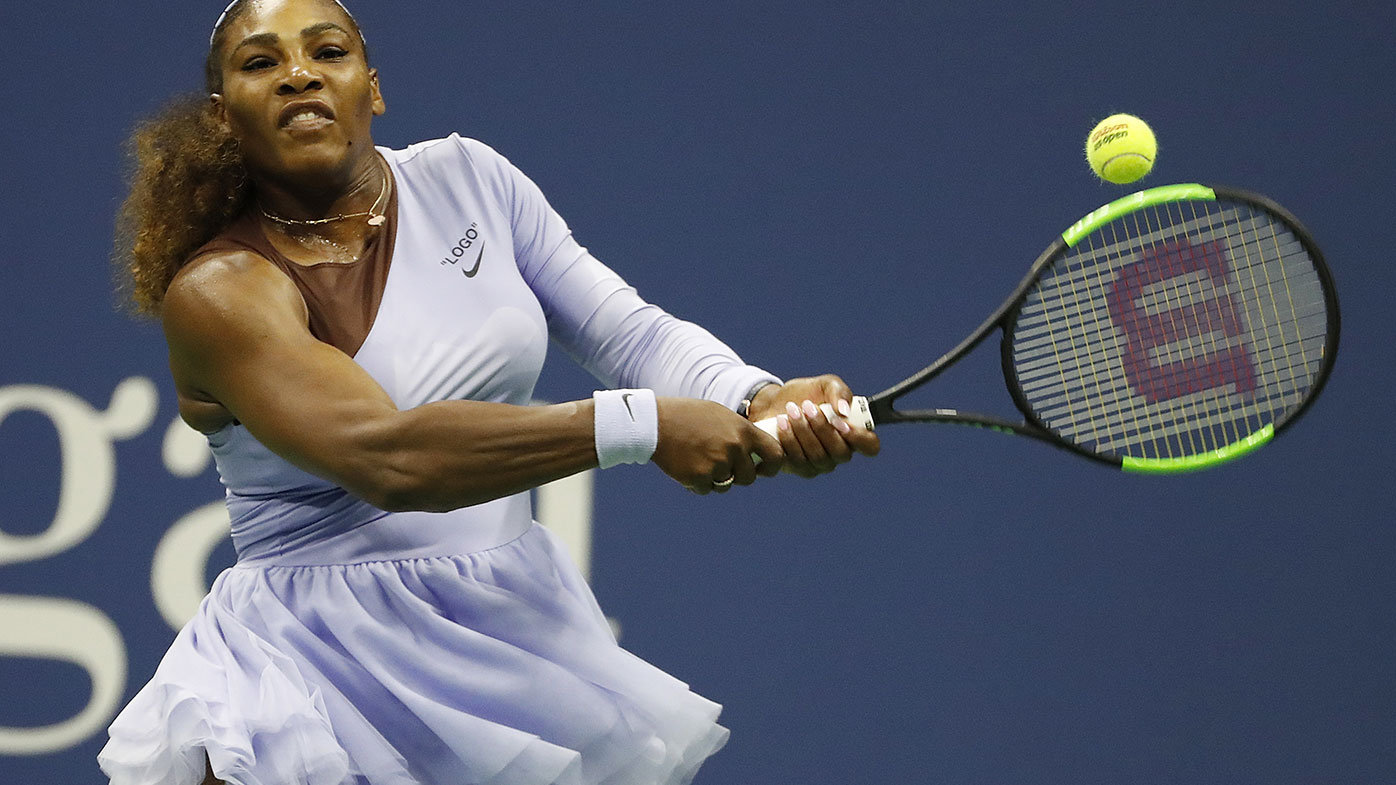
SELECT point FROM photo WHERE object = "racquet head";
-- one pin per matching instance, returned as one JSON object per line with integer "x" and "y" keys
{"x": 1173, "y": 329}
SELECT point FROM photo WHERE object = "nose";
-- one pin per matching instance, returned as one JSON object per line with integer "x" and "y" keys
{"x": 299, "y": 78}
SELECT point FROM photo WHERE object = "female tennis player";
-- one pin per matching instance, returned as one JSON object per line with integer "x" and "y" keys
{"x": 358, "y": 332}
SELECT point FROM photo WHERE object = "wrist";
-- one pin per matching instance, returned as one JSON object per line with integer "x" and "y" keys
{"x": 626, "y": 426}
{"x": 759, "y": 399}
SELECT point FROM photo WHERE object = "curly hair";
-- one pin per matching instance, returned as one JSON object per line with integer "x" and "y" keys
{"x": 187, "y": 183}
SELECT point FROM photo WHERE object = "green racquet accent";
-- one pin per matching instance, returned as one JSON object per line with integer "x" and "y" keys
{"x": 1206, "y": 460}
{"x": 1135, "y": 201}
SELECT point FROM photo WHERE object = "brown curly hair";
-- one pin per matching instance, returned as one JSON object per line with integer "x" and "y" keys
{"x": 187, "y": 183}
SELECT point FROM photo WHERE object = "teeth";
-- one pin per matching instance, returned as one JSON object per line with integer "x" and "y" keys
{"x": 306, "y": 115}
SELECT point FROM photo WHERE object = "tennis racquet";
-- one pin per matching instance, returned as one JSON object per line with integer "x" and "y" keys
{"x": 1171, "y": 330}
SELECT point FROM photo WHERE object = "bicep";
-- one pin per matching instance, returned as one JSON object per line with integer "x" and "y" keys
{"x": 238, "y": 336}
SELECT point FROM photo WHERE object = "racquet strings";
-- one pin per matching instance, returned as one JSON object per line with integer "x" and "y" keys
{"x": 1172, "y": 331}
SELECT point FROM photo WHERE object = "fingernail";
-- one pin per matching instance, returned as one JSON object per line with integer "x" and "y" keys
{"x": 843, "y": 407}
{"x": 783, "y": 420}
{"x": 793, "y": 411}
{"x": 811, "y": 411}
{"x": 842, "y": 425}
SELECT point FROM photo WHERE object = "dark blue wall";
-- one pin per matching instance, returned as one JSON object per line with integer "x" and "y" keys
{"x": 828, "y": 186}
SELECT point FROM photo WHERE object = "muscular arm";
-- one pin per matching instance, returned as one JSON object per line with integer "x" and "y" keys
{"x": 240, "y": 348}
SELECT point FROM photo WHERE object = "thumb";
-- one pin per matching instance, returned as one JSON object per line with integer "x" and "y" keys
{"x": 834, "y": 388}
{"x": 767, "y": 453}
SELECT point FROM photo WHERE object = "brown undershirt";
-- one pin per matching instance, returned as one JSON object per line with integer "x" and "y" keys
{"x": 342, "y": 297}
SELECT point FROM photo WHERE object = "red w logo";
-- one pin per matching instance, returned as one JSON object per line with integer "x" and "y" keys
{"x": 1144, "y": 331}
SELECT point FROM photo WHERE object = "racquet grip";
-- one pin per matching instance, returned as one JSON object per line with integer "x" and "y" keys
{"x": 858, "y": 416}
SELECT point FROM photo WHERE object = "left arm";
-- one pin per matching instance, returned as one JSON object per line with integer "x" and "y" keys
{"x": 624, "y": 341}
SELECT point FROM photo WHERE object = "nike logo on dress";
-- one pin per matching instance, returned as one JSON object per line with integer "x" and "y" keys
{"x": 625, "y": 398}
{"x": 471, "y": 272}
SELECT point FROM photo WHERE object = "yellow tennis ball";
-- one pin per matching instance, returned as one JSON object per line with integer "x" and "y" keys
{"x": 1121, "y": 148}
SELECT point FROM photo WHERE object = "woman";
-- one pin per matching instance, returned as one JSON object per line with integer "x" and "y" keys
{"x": 358, "y": 332}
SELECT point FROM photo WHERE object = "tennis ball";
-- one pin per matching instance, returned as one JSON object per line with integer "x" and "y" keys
{"x": 1121, "y": 149}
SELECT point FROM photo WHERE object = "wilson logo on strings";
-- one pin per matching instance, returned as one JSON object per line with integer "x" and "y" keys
{"x": 1195, "y": 320}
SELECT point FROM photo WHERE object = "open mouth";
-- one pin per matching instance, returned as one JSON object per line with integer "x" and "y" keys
{"x": 305, "y": 116}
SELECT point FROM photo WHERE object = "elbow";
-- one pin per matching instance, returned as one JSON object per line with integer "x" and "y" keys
{"x": 382, "y": 466}
{"x": 381, "y": 493}
{"x": 396, "y": 470}
{"x": 400, "y": 493}
{"x": 390, "y": 484}
{"x": 396, "y": 486}
{"x": 392, "y": 499}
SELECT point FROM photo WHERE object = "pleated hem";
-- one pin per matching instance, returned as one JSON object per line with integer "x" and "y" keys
{"x": 492, "y": 668}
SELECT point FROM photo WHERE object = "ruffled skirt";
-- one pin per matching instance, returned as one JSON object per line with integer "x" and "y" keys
{"x": 495, "y": 668}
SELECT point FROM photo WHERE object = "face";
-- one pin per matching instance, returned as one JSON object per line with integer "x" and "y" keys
{"x": 297, "y": 94}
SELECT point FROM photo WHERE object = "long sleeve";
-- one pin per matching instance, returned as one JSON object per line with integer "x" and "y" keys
{"x": 599, "y": 319}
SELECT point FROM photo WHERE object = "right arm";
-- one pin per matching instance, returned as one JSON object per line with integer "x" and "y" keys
{"x": 241, "y": 348}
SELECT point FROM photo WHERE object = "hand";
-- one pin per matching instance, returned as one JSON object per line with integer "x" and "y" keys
{"x": 812, "y": 444}
{"x": 707, "y": 447}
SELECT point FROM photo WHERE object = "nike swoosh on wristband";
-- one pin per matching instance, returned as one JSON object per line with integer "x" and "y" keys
{"x": 625, "y": 398}
{"x": 471, "y": 272}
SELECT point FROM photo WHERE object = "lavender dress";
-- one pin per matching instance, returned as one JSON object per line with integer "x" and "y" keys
{"x": 353, "y": 645}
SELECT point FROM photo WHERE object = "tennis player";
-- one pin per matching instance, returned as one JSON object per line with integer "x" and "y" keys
{"x": 358, "y": 332}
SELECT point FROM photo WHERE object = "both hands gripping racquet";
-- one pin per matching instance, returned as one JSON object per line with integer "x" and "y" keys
{"x": 1171, "y": 330}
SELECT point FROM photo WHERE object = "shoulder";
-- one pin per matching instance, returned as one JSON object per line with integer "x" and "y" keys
{"x": 447, "y": 148}
{"x": 218, "y": 308}
{"x": 223, "y": 289}
{"x": 453, "y": 160}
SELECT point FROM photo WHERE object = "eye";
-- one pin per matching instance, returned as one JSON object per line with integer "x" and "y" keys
{"x": 330, "y": 53}
{"x": 258, "y": 63}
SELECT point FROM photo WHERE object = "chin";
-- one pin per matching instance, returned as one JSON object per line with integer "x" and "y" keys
{"x": 318, "y": 159}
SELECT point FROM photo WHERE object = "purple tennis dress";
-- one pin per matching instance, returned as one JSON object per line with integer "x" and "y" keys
{"x": 349, "y": 645}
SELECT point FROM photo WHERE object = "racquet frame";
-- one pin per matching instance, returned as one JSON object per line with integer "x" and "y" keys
{"x": 882, "y": 405}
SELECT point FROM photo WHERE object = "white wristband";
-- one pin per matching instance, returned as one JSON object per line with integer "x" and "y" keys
{"x": 627, "y": 426}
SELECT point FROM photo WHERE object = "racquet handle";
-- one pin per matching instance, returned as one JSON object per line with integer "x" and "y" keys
{"x": 858, "y": 416}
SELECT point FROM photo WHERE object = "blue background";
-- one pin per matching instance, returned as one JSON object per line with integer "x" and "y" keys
{"x": 843, "y": 187}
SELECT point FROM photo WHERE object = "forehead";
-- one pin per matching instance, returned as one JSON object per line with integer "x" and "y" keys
{"x": 286, "y": 17}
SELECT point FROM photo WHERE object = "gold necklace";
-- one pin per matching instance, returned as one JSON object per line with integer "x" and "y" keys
{"x": 376, "y": 218}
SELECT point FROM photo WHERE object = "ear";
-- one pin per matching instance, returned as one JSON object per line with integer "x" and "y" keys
{"x": 220, "y": 112}
{"x": 378, "y": 106}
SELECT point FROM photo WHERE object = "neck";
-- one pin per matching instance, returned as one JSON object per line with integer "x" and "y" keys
{"x": 312, "y": 199}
